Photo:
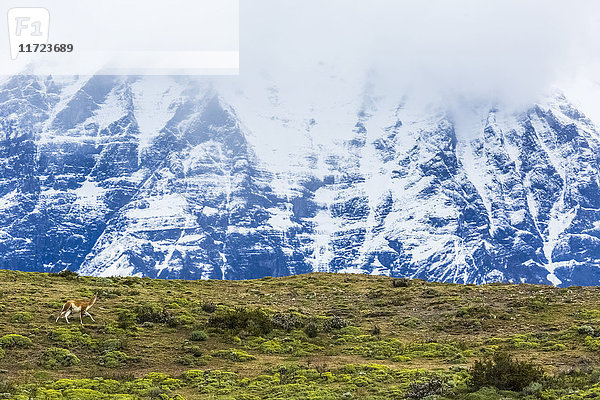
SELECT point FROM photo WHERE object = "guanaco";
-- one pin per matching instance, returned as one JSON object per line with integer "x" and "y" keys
{"x": 77, "y": 306}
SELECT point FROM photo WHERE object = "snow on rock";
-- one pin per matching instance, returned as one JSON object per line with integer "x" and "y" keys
{"x": 173, "y": 178}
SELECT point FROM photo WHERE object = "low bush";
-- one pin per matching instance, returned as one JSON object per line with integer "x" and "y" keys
{"x": 70, "y": 337}
{"x": 126, "y": 319}
{"x": 524, "y": 342}
{"x": 402, "y": 282}
{"x": 67, "y": 274}
{"x": 311, "y": 329}
{"x": 253, "y": 321}
{"x": 504, "y": 373}
{"x": 292, "y": 346}
{"x": 485, "y": 393}
{"x": 111, "y": 345}
{"x": 586, "y": 330}
{"x": 198, "y": 336}
{"x": 592, "y": 343}
{"x": 55, "y": 357}
{"x": 152, "y": 312}
{"x": 183, "y": 320}
{"x": 194, "y": 356}
{"x": 233, "y": 355}
{"x": 209, "y": 307}
{"x": 435, "y": 386}
{"x": 113, "y": 359}
{"x": 14, "y": 340}
{"x": 21, "y": 317}
{"x": 196, "y": 351}
{"x": 410, "y": 322}
{"x": 334, "y": 323}
{"x": 287, "y": 321}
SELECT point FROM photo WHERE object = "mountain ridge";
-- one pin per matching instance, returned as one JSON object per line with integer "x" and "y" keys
{"x": 170, "y": 178}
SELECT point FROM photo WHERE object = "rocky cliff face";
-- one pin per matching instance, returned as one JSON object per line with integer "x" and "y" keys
{"x": 169, "y": 178}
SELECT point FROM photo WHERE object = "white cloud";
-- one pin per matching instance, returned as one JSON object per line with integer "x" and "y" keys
{"x": 459, "y": 52}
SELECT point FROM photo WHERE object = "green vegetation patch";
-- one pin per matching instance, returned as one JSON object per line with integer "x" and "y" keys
{"x": 14, "y": 340}
{"x": 255, "y": 321}
{"x": 70, "y": 336}
{"x": 21, "y": 317}
{"x": 198, "y": 336}
{"x": 285, "y": 345}
{"x": 114, "y": 359}
{"x": 56, "y": 357}
{"x": 233, "y": 355}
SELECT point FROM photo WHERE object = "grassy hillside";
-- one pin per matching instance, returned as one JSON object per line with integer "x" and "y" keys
{"x": 317, "y": 336}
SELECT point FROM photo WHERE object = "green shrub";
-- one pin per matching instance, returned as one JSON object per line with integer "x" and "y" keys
{"x": 287, "y": 321}
{"x": 183, "y": 319}
{"x": 457, "y": 359}
{"x": 411, "y": 322}
{"x": 111, "y": 345}
{"x": 432, "y": 350}
{"x": 196, "y": 351}
{"x": 556, "y": 347}
{"x": 292, "y": 346}
{"x": 350, "y": 330}
{"x": 378, "y": 349}
{"x": 504, "y": 373}
{"x": 254, "y": 321}
{"x": 70, "y": 337}
{"x": 198, "y": 336}
{"x": 233, "y": 355}
{"x": 209, "y": 307}
{"x": 21, "y": 317}
{"x": 486, "y": 393}
{"x": 587, "y": 314}
{"x": 152, "y": 312}
{"x": 188, "y": 360}
{"x": 126, "y": 319}
{"x": 402, "y": 282}
{"x": 435, "y": 386}
{"x": 525, "y": 341}
{"x": 334, "y": 323}
{"x": 14, "y": 340}
{"x": 592, "y": 343}
{"x": 311, "y": 329}
{"x": 67, "y": 274}
{"x": 55, "y": 357}
{"x": 585, "y": 330}
{"x": 113, "y": 359}
{"x": 110, "y": 293}
{"x": 194, "y": 356}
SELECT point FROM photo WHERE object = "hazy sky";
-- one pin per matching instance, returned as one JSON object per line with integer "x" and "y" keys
{"x": 505, "y": 51}
{"x": 455, "y": 51}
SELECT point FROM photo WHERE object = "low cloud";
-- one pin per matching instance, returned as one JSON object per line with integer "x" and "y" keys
{"x": 456, "y": 52}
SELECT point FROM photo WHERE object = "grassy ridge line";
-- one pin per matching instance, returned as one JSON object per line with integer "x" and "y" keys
{"x": 327, "y": 323}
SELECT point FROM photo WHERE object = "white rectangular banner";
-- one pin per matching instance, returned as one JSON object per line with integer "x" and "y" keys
{"x": 139, "y": 37}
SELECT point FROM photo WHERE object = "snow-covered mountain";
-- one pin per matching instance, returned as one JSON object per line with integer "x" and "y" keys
{"x": 172, "y": 178}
